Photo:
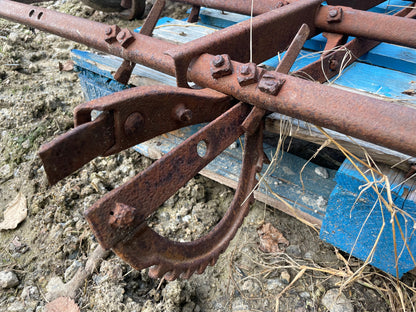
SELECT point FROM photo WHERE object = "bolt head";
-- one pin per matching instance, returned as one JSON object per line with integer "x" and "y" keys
{"x": 221, "y": 66}
{"x": 244, "y": 69}
{"x": 218, "y": 61}
{"x": 108, "y": 31}
{"x": 333, "y": 12}
{"x": 271, "y": 84}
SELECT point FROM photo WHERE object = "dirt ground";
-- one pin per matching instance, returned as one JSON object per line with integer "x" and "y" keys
{"x": 36, "y": 104}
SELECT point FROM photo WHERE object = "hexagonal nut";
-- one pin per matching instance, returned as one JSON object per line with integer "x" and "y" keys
{"x": 125, "y": 37}
{"x": 335, "y": 14}
{"x": 111, "y": 33}
{"x": 221, "y": 66}
{"x": 270, "y": 83}
{"x": 247, "y": 74}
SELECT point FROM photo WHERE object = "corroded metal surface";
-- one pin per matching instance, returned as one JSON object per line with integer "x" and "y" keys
{"x": 228, "y": 71}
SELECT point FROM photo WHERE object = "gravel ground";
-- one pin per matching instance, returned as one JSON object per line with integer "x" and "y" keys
{"x": 36, "y": 104}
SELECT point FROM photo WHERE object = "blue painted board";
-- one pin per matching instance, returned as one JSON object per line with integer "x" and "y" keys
{"x": 355, "y": 216}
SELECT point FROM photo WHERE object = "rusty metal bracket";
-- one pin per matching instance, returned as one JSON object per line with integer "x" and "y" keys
{"x": 131, "y": 116}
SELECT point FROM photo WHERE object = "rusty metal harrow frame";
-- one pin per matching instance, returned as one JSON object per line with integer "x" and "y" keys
{"x": 234, "y": 96}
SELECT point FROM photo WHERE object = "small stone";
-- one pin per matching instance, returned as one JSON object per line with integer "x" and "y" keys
{"x": 71, "y": 270}
{"x": 16, "y": 306}
{"x": 173, "y": 291}
{"x": 251, "y": 287}
{"x": 285, "y": 277}
{"x": 239, "y": 305}
{"x": 304, "y": 295}
{"x": 273, "y": 284}
{"x": 322, "y": 172}
{"x": 294, "y": 251}
{"x": 335, "y": 301}
{"x": 30, "y": 293}
{"x": 309, "y": 255}
{"x": 189, "y": 307}
{"x": 8, "y": 279}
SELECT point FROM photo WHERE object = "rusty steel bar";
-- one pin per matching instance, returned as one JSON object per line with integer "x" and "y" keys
{"x": 134, "y": 47}
{"x": 263, "y": 6}
{"x": 272, "y": 33}
{"x": 129, "y": 117}
{"x": 331, "y": 62}
{"x": 374, "y": 26}
{"x": 384, "y": 123}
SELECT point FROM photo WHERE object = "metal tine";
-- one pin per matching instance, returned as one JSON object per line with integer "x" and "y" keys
{"x": 253, "y": 119}
{"x": 123, "y": 73}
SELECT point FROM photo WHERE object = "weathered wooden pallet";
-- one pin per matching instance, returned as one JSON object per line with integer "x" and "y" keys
{"x": 330, "y": 199}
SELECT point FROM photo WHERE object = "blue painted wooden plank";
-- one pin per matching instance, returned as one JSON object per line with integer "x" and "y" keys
{"x": 353, "y": 226}
{"x": 378, "y": 80}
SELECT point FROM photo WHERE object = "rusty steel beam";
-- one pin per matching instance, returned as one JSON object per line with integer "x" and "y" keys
{"x": 124, "y": 43}
{"x": 374, "y": 26}
{"x": 384, "y": 123}
{"x": 130, "y": 117}
{"x": 263, "y": 6}
{"x": 235, "y": 41}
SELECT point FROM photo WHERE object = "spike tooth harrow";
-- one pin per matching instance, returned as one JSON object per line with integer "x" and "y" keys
{"x": 220, "y": 63}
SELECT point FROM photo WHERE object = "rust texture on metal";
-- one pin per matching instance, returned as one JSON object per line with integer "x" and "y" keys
{"x": 152, "y": 187}
{"x": 377, "y": 121}
{"x": 263, "y": 6}
{"x": 237, "y": 95}
{"x": 368, "y": 25}
{"x": 130, "y": 117}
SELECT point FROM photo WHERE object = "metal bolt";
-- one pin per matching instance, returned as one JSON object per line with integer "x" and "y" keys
{"x": 218, "y": 61}
{"x": 122, "y": 215}
{"x": 221, "y": 66}
{"x": 245, "y": 70}
{"x": 125, "y": 37}
{"x": 133, "y": 123}
{"x": 183, "y": 114}
{"x": 334, "y": 15}
{"x": 333, "y": 12}
{"x": 270, "y": 83}
{"x": 121, "y": 35}
{"x": 111, "y": 33}
{"x": 247, "y": 74}
{"x": 333, "y": 64}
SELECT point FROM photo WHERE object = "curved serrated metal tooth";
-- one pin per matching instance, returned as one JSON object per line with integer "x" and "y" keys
{"x": 213, "y": 260}
{"x": 187, "y": 274}
{"x": 202, "y": 268}
{"x": 157, "y": 271}
{"x": 171, "y": 276}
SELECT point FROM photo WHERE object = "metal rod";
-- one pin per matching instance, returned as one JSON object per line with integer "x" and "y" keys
{"x": 384, "y": 123}
{"x": 140, "y": 49}
{"x": 374, "y": 26}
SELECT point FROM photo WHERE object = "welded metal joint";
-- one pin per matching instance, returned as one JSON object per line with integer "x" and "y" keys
{"x": 111, "y": 33}
{"x": 335, "y": 14}
{"x": 270, "y": 83}
{"x": 122, "y": 215}
{"x": 247, "y": 74}
{"x": 221, "y": 66}
{"x": 125, "y": 37}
